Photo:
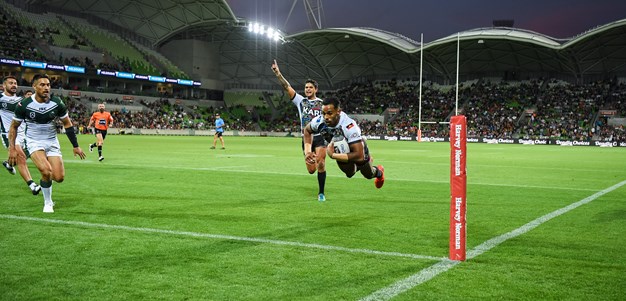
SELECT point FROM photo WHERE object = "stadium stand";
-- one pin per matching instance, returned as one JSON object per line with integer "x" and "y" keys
{"x": 127, "y": 55}
{"x": 248, "y": 99}
{"x": 498, "y": 104}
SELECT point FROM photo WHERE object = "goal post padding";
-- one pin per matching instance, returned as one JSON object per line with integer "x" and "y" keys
{"x": 458, "y": 187}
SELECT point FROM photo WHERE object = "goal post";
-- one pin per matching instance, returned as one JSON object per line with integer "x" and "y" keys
{"x": 458, "y": 187}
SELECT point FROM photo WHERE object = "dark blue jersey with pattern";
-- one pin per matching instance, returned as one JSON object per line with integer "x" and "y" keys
{"x": 308, "y": 109}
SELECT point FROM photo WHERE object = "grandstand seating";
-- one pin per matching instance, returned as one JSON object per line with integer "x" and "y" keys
{"x": 533, "y": 109}
{"x": 124, "y": 52}
{"x": 171, "y": 68}
{"x": 493, "y": 111}
{"x": 248, "y": 99}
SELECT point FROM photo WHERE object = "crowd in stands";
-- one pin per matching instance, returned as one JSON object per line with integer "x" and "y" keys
{"x": 21, "y": 41}
{"x": 530, "y": 110}
{"x": 17, "y": 40}
{"x": 533, "y": 109}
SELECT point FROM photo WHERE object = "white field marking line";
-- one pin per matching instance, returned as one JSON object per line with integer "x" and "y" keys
{"x": 229, "y": 169}
{"x": 223, "y": 237}
{"x": 428, "y": 273}
{"x": 217, "y": 168}
{"x": 507, "y": 166}
{"x": 244, "y": 156}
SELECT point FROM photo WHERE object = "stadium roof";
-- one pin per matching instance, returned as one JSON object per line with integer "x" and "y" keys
{"x": 334, "y": 56}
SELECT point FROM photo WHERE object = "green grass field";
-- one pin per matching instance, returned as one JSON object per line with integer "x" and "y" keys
{"x": 166, "y": 218}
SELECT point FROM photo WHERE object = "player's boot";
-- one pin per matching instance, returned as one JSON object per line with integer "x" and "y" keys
{"x": 101, "y": 158}
{"x": 321, "y": 197}
{"x": 34, "y": 188}
{"x": 91, "y": 148}
{"x": 379, "y": 181}
{"x": 48, "y": 207}
{"x": 9, "y": 168}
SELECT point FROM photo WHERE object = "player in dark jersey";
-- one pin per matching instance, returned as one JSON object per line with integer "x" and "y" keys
{"x": 309, "y": 106}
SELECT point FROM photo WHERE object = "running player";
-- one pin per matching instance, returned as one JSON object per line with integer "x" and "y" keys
{"x": 219, "y": 131}
{"x": 101, "y": 121}
{"x": 40, "y": 112}
{"x": 308, "y": 107}
{"x": 8, "y": 102}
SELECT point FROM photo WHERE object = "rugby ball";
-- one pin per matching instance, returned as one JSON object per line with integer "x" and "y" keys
{"x": 341, "y": 146}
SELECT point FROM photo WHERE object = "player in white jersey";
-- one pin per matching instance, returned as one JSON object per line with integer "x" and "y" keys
{"x": 40, "y": 112}
{"x": 335, "y": 125}
{"x": 8, "y": 103}
{"x": 308, "y": 108}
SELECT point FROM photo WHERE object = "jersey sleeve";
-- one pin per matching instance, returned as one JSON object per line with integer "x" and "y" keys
{"x": 317, "y": 124}
{"x": 352, "y": 132}
{"x": 61, "y": 109}
{"x": 20, "y": 111}
{"x": 297, "y": 99}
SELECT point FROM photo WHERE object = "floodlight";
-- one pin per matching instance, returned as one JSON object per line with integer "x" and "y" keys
{"x": 268, "y": 31}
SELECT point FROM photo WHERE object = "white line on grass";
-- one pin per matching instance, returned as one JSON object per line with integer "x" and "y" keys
{"x": 534, "y": 168}
{"x": 221, "y": 236}
{"x": 426, "y": 274}
{"x": 238, "y": 169}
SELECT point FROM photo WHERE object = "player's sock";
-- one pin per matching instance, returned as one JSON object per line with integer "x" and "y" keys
{"x": 46, "y": 188}
{"x": 379, "y": 173}
{"x": 321, "y": 180}
{"x": 100, "y": 150}
{"x": 29, "y": 182}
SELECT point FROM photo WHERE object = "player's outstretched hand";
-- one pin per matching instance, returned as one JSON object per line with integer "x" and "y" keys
{"x": 310, "y": 158}
{"x": 78, "y": 151}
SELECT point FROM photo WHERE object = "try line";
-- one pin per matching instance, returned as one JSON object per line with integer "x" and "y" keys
{"x": 242, "y": 169}
{"x": 221, "y": 236}
{"x": 445, "y": 265}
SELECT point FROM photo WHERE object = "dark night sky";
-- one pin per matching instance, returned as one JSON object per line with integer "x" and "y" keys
{"x": 437, "y": 19}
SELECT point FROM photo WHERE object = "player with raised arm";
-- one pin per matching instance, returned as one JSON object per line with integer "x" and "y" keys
{"x": 40, "y": 112}
{"x": 8, "y": 102}
{"x": 338, "y": 128}
{"x": 308, "y": 108}
{"x": 101, "y": 120}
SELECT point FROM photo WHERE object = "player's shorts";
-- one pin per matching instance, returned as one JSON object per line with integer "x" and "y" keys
{"x": 103, "y": 132}
{"x": 50, "y": 147}
{"x": 318, "y": 141}
{"x": 219, "y": 134}
{"x": 20, "y": 139}
{"x": 5, "y": 139}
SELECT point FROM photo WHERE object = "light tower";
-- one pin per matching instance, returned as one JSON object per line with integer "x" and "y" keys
{"x": 314, "y": 12}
